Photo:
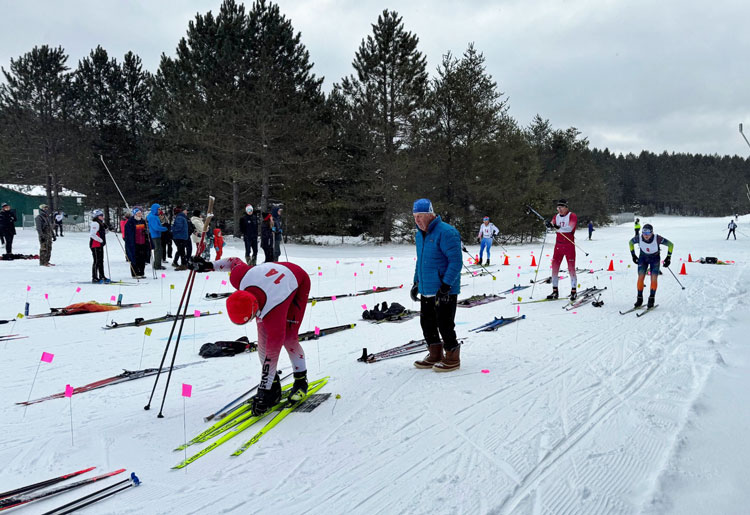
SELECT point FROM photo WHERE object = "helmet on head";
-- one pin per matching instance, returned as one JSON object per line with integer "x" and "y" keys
{"x": 647, "y": 229}
{"x": 242, "y": 306}
{"x": 249, "y": 209}
{"x": 97, "y": 212}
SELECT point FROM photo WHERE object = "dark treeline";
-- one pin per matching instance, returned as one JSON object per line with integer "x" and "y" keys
{"x": 238, "y": 112}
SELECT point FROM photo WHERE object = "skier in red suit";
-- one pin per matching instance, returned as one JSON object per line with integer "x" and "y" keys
{"x": 564, "y": 223}
{"x": 275, "y": 294}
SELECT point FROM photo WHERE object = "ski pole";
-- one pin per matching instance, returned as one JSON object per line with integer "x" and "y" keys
{"x": 463, "y": 247}
{"x": 536, "y": 273}
{"x": 191, "y": 281}
{"x": 191, "y": 275}
{"x": 500, "y": 244}
{"x": 132, "y": 270}
{"x": 109, "y": 270}
{"x": 675, "y": 278}
{"x": 532, "y": 210}
{"x": 134, "y": 481}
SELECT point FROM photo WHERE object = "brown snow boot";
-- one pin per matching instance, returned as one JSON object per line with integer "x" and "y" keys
{"x": 434, "y": 356}
{"x": 451, "y": 361}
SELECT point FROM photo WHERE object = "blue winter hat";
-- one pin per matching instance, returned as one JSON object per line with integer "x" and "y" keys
{"x": 136, "y": 210}
{"x": 422, "y": 205}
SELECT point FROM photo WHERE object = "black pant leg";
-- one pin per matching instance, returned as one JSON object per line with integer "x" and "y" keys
{"x": 94, "y": 269}
{"x": 428, "y": 319}
{"x": 446, "y": 316}
{"x": 9, "y": 243}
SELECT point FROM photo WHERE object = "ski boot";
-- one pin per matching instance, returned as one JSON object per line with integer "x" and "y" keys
{"x": 106, "y": 281}
{"x": 651, "y": 301}
{"x": 573, "y": 294}
{"x": 299, "y": 388}
{"x": 638, "y": 300}
{"x": 554, "y": 295}
{"x": 95, "y": 281}
{"x": 487, "y": 263}
{"x": 264, "y": 400}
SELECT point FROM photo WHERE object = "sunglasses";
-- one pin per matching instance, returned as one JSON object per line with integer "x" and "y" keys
{"x": 647, "y": 232}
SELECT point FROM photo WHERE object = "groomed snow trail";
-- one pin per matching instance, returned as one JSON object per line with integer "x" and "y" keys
{"x": 581, "y": 412}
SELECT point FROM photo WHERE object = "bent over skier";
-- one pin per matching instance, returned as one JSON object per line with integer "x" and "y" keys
{"x": 649, "y": 258}
{"x": 275, "y": 294}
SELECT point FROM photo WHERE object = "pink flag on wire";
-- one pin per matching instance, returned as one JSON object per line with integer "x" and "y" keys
{"x": 163, "y": 276}
{"x": 333, "y": 297}
{"x": 364, "y": 306}
{"x": 46, "y": 296}
{"x": 337, "y": 261}
{"x": 47, "y": 357}
{"x": 317, "y": 331}
{"x": 187, "y": 390}
{"x": 68, "y": 391}
{"x": 197, "y": 313}
{"x": 78, "y": 289}
{"x": 320, "y": 274}
{"x": 485, "y": 371}
{"x": 206, "y": 277}
{"x": 113, "y": 298}
{"x": 28, "y": 288}
{"x": 355, "y": 274}
{"x": 374, "y": 288}
{"x": 224, "y": 282}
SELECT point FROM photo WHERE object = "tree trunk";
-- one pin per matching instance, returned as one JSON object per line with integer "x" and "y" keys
{"x": 236, "y": 205}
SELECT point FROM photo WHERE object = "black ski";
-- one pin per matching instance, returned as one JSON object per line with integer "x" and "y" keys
{"x": 79, "y": 503}
{"x": 310, "y": 335}
{"x": 158, "y": 320}
{"x": 647, "y": 310}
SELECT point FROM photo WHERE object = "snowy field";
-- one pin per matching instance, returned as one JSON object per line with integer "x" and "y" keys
{"x": 583, "y": 412}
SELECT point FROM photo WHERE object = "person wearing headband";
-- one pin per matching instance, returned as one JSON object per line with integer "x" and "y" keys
{"x": 487, "y": 231}
{"x": 564, "y": 223}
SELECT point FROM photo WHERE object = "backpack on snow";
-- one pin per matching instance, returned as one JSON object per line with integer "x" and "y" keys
{"x": 226, "y": 348}
{"x": 384, "y": 311}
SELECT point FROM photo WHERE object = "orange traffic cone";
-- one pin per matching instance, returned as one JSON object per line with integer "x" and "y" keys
{"x": 533, "y": 260}
{"x": 682, "y": 270}
{"x": 507, "y": 263}
{"x": 611, "y": 266}
{"x": 476, "y": 260}
{"x": 690, "y": 258}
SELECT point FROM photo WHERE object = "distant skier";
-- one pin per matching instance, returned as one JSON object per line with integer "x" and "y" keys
{"x": 564, "y": 223}
{"x": 278, "y": 231}
{"x": 732, "y": 226}
{"x": 437, "y": 277}
{"x": 649, "y": 258}
{"x": 97, "y": 241}
{"x": 591, "y": 228}
{"x": 637, "y": 226}
{"x": 59, "y": 217}
{"x": 275, "y": 294}
{"x": 486, "y": 232}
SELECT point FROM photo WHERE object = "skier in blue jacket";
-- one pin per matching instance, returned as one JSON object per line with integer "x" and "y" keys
{"x": 155, "y": 228}
{"x": 437, "y": 277}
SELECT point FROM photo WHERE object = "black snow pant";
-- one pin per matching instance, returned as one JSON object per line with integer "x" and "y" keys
{"x": 97, "y": 267}
{"x": 9, "y": 243}
{"x": 183, "y": 251}
{"x": 731, "y": 233}
{"x": 142, "y": 256}
{"x": 268, "y": 251}
{"x": 166, "y": 245}
{"x": 438, "y": 320}
{"x": 251, "y": 250}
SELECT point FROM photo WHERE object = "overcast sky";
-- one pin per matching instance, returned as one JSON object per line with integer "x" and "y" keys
{"x": 629, "y": 74}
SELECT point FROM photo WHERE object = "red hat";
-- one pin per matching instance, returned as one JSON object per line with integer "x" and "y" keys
{"x": 242, "y": 306}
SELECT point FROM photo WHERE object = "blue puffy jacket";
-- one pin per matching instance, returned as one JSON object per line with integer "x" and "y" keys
{"x": 155, "y": 228}
{"x": 438, "y": 258}
{"x": 180, "y": 227}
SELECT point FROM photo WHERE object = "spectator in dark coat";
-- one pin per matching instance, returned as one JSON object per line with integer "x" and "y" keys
{"x": 249, "y": 230}
{"x": 7, "y": 227}
{"x": 137, "y": 243}
{"x": 278, "y": 231}
{"x": 181, "y": 235}
{"x": 266, "y": 237}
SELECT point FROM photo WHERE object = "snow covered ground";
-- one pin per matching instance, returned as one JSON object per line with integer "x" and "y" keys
{"x": 581, "y": 412}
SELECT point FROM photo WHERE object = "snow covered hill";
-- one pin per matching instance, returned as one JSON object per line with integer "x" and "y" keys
{"x": 582, "y": 411}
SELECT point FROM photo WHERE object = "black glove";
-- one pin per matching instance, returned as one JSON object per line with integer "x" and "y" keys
{"x": 635, "y": 258}
{"x": 479, "y": 240}
{"x": 444, "y": 293}
{"x": 199, "y": 264}
{"x": 549, "y": 224}
{"x": 667, "y": 261}
{"x": 414, "y": 292}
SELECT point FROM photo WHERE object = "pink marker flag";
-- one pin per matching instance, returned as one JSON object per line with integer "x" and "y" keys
{"x": 388, "y": 266}
{"x": 361, "y": 264}
{"x": 485, "y": 371}
{"x": 355, "y": 274}
{"x": 68, "y": 391}
{"x": 320, "y": 274}
{"x": 337, "y": 261}
{"x": 224, "y": 282}
{"x": 113, "y": 298}
{"x": 187, "y": 390}
{"x": 47, "y": 357}
{"x": 518, "y": 309}
{"x": 28, "y": 288}
{"x": 206, "y": 277}
{"x": 78, "y": 289}
{"x": 163, "y": 276}
{"x": 46, "y": 296}
{"x": 317, "y": 331}
{"x": 374, "y": 288}
{"x": 333, "y": 297}
{"x": 197, "y": 313}
{"x": 364, "y": 306}
{"x": 475, "y": 273}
